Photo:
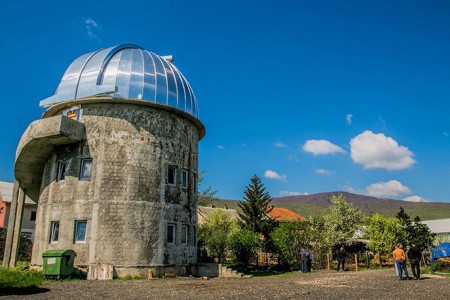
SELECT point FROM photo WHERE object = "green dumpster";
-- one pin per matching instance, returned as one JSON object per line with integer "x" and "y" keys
{"x": 58, "y": 263}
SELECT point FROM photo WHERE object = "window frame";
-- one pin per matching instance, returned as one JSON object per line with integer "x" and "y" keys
{"x": 54, "y": 225}
{"x": 184, "y": 235}
{"x": 194, "y": 182}
{"x": 185, "y": 179}
{"x": 76, "y": 229}
{"x": 61, "y": 176}
{"x": 174, "y": 168}
{"x": 82, "y": 164}
{"x": 174, "y": 233}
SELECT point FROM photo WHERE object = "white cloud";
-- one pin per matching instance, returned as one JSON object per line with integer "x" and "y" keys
{"x": 445, "y": 133}
{"x": 280, "y": 145}
{"x": 323, "y": 172}
{"x": 415, "y": 198}
{"x": 320, "y": 147}
{"x": 377, "y": 151}
{"x": 382, "y": 120}
{"x": 289, "y": 193}
{"x": 221, "y": 147}
{"x": 392, "y": 188}
{"x": 349, "y": 117}
{"x": 274, "y": 175}
{"x": 91, "y": 27}
{"x": 350, "y": 189}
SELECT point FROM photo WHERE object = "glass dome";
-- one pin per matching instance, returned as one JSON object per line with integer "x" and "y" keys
{"x": 128, "y": 72}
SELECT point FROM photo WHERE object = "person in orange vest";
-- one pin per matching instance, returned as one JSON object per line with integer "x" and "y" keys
{"x": 400, "y": 259}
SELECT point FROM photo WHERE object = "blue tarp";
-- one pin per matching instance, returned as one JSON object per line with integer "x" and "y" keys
{"x": 443, "y": 250}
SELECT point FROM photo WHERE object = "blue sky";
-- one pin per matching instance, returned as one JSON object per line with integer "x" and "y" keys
{"x": 311, "y": 96}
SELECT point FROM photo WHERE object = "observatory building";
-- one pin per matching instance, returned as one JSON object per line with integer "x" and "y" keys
{"x": 113, "y": 165}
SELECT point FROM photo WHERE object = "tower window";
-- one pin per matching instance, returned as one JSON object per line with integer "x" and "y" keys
{"x": 80, "y": 231}
{"x": 62, "y": 166}
{"x": 86, "y": 169}
{"x": 184, "y": 234}
{"x": 184, "y": 178}
{"x": 172, "y": 175}
{"x": 33, "y": 216}
{"x": 194, "y": 182}
{"x": 171, "y": 234}
{"x": 54, "y": 231}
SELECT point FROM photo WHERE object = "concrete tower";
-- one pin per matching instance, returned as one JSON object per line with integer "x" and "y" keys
{"x": 113, "y": 164}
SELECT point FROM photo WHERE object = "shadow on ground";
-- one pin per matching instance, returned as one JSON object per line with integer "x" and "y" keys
{"x": 23, "y": 291}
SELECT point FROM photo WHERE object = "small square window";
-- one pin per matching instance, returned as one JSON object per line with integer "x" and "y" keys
{"x": 62, "y": 166}
{"x": 184, "y": 234}
{"x": 80, "y": 231}
{"x": 172, "y": 175}
{"x": 86, "y": 169}
{"x": 33, "y": 216}
{"x": 54, "y": 232}
{"x": 171, "y": 234}
{"x": 184, "y": 179}
{"x": 73, "y": 113}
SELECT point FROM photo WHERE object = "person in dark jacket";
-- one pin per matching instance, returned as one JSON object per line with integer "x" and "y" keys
{"x": 309, "y": 257}
{"x": 341, "y": 254}
{"x": 414, "y": 256}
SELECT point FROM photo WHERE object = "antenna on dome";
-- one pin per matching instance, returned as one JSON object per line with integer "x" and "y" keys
{"x": 168, "y": 58}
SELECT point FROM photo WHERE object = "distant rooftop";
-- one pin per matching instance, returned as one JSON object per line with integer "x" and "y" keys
{"x": 6, "y": 191}
{"x": 284, "y": 214}
{"x": 438, "y": 226}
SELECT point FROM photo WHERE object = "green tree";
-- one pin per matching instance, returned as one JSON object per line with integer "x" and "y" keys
{"x": 215, "y": 233}
{"x": 207, "y": 195}
{"x": 416, "y": 232}
{"x": 341, "y": 221}
{"x": 244, "y": 245}
{"x": 255, "y": 208}
{"x": 288, "y": 238}
{"x": 317, "y": 238}
{"x": 383, "y": 233}
{"x": 421, "y": 235}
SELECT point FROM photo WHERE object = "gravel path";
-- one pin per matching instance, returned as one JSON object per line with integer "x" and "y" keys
{"x": 376, "y": 284}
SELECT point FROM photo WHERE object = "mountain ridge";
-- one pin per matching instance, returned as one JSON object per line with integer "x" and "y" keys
{"x": 315, "y": 204}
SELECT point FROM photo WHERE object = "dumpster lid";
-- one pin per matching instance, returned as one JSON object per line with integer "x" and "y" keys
{"x": 62, "y": 252}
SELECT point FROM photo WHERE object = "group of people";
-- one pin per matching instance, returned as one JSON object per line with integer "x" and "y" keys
{"x": 414, "y": 255}
{"x": 306, "y": 257}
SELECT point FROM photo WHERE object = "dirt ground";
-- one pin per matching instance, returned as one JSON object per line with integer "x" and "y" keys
{"x": 373, "y": 284}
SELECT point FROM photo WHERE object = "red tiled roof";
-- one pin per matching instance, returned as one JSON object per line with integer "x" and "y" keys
{"x": 284, "y": 214}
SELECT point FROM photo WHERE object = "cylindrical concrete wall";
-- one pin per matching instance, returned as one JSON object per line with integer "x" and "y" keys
{"x": 135, "y": 215}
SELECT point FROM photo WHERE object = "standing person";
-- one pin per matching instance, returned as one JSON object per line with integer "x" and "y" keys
{"x": 395, "y": 263}
{"x": 341, "y": 254}
{"x": 400, "y": 258}
{"x": 309, "y": 257}
{"x": 303, "y": 258}
{"x": 414, "y": 256}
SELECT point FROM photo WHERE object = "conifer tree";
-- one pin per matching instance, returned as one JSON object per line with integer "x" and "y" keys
{"x": 256, "y": 207}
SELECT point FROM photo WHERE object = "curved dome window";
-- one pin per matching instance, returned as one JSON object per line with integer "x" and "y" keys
{"x": 126, "y": 72}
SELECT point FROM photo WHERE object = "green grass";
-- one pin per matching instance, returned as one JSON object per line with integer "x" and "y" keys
{"x": 18, "y": 278}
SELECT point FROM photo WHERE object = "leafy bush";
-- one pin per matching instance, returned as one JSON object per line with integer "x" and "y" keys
{"x": 215, "y": 233}
{"x": 288, "y": 239}
{"x": 244, "y": 245}
{"x": 16, "y": 278}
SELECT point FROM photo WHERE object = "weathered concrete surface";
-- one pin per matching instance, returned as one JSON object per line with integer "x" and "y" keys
{"x": 36, "y": 145}
{"x": 127, "y": 203}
